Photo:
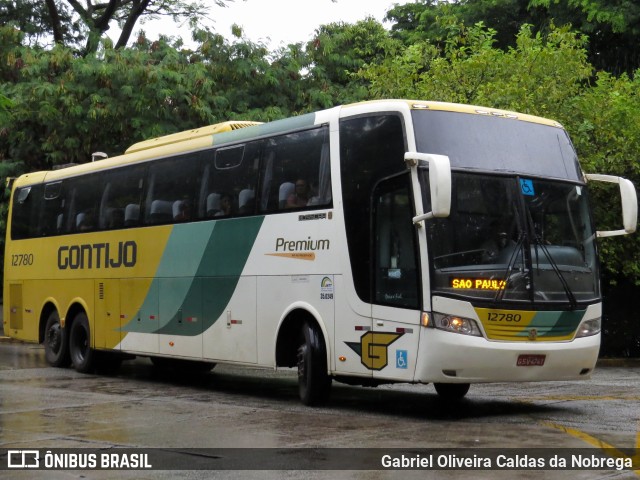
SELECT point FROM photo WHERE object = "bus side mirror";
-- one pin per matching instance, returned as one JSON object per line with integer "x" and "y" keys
{"x": 439, "y": 183}
{"x": 629, "y": 203}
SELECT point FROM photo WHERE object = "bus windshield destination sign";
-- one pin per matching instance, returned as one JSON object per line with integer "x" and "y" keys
{"x": 478, "y": 283}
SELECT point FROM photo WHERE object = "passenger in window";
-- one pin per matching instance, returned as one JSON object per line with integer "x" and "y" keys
{"x": 182, "y": 210}
{"x": 84, "y": 221}
{"x": 226, "y": 203}
{"x": 300, "y": 196}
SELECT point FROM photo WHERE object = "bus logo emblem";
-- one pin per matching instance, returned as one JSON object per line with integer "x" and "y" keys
{"x": 533, "y": 334}
{"x": 374, "y": 348}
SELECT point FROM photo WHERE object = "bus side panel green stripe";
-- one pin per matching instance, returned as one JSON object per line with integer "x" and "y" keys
{"x": 181, "y": 258}
{"x": 209, "y": 258}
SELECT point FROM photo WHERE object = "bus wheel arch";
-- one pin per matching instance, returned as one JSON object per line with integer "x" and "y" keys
{"x": 301, "y": 343}
{"x": 54, "y": 337}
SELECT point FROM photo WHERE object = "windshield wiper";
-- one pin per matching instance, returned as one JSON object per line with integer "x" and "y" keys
{"x": 537, "y": 241}
{"x": 512, "y": 261}
{"x": 565, "y": 285}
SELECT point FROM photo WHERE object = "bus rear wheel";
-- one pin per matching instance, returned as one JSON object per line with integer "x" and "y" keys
{"x": 82, "y": 355}
{"x": 56, "y": 350}
{"x": 314, "y": 384}
{"x": 452, "y": 391}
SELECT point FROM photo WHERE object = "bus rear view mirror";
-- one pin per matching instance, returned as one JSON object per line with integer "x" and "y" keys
{"x": 629, "y": 204}
{"x": 439, "y": 183}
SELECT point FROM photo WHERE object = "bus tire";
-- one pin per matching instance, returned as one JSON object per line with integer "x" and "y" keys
{"x": 56, "y": 345}
{"x": 82, "y": 355}
{"x": 452, "y": 391}
{"x": 314, "y": 385}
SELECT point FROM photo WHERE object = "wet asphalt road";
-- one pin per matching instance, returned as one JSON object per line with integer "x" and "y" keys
{"x": 44, "y": 407}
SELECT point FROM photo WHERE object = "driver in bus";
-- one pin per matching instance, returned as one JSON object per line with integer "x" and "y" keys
{"x": 497, "y": 243}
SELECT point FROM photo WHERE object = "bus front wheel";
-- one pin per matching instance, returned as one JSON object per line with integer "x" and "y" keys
{"x": 314, "y": 384}
{"x": 82, "y": 355}
{"x": 56, "y": 350}
{"x": 452, "y": 391}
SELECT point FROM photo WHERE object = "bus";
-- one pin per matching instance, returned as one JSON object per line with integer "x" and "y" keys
{"x": 378, "y": 242}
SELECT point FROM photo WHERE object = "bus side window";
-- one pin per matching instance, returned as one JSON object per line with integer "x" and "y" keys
{"x": 229, "y": 181}
{"x": 396, "y": 279}
{"x": 120, "y": 201}
{"x": 173, "y": 188}
{"x": 81, "y": 210}
{"x": 52, "y": 217}
{"x": 26, "y": 208}
{"x": 296, "y": 171}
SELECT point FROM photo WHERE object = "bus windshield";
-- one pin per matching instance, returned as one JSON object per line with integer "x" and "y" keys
{"x": 514, "y": 239}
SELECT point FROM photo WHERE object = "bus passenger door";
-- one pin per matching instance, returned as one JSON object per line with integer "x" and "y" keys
{"x": 395, "y": 281}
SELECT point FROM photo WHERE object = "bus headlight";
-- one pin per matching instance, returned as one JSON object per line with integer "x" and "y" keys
{"x": 589, "y": 328}
{"x": 452, "y": 323}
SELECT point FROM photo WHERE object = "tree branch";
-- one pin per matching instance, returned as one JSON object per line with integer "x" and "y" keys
{"x": 56, "y": 25}
{"x": 137, "y": 9}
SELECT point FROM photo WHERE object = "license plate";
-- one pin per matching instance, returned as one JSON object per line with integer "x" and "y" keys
{"x": 531, "y": 360}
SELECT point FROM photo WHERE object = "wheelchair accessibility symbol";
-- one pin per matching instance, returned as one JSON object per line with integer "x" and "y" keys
{"x": 401, "y": 359}
{"x": 526, "y": 187}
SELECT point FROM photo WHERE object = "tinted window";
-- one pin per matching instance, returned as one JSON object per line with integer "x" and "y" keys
{"x": 395, "y": 267}
{"x": 229, "y": 181}
{"x": 121, "y": 198}
{"x": 26, "y": 208}
{"x": 371, "y": 148}
{"x": 173, "y": 186}
{"x": 82, "y": 204}
{"x": 296, "y": 171}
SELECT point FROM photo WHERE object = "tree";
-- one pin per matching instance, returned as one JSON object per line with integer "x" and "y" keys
{"x": 82, "y": 25}
{"x": 337, "y": 51}
{"x": 613, "y": 26}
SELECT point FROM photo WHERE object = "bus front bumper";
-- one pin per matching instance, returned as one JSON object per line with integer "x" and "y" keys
{"x": 447, "y": 357}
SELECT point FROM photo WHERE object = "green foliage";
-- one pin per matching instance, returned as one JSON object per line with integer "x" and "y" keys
{"x": 337, "y": 52}
{"x": 613, "y": 26}
{"x": 537, "y": 76}
{"x": 605, "y": 128}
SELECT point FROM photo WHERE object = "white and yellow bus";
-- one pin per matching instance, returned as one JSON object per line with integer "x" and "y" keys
{"x": 386, "y": 241}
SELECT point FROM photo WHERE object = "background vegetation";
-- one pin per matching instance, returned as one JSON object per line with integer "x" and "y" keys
{"x": 67, "y": 90}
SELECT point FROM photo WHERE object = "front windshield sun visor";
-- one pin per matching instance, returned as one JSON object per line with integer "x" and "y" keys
{"x": 513, "y": 239}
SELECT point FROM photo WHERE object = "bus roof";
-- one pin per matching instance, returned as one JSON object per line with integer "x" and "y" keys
{"x": 463, "y": 108}
{"x": 232, "y": 131}
{"x": 189, "y": 135}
